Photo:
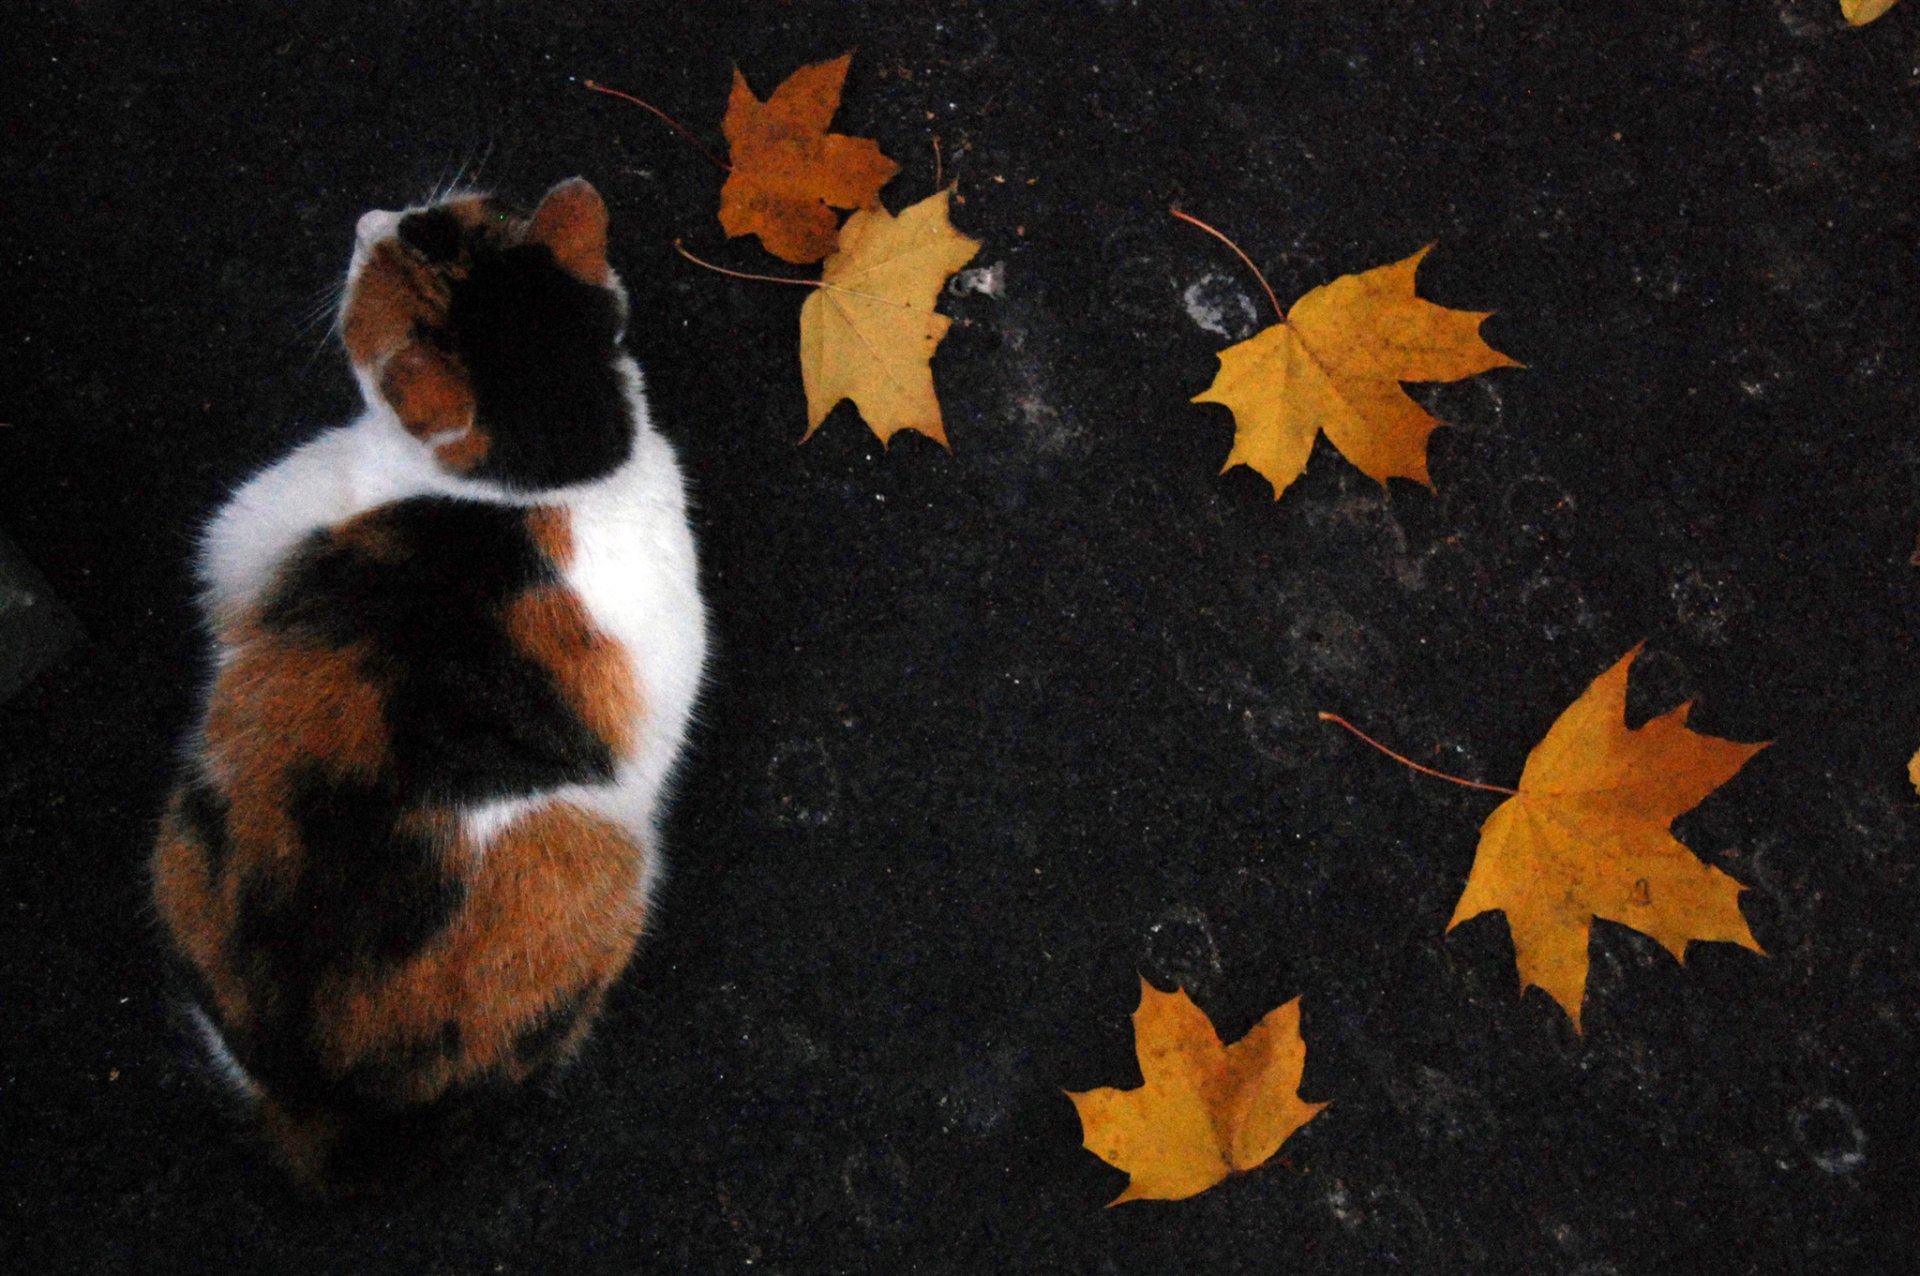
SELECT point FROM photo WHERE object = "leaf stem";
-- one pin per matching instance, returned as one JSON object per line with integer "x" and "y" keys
{"x": 783, "y": 279}
{"x": 1406, "y": 761}
{"x": 668, "y": 120}
{"x": 741, "y": 274}
{"x": 1185, "y": 217}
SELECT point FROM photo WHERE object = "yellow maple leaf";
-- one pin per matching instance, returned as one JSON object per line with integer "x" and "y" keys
{"x": 1587, "y": 836}
{"x": 788, "y": 172}
{"x": 1913, "y": 771}
{"x": 1334, "y": 364}
{"x": 868, "y": 333}
{"x": 1861, "y": 12}
{"x": 1206, "y": 1110}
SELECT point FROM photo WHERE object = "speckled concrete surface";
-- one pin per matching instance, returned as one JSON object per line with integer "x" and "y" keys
{"x": 991, "y": 733}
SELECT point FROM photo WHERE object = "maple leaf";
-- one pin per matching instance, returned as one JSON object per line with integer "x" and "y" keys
{"x": 789, "y": 173}
{"x": 1205, "y": 1110}
{"x": 1587, "y": 836}
{"x": 1334, "y": 364}
{"x": 1861, "y": 12}
{"x": 869, "y": 331}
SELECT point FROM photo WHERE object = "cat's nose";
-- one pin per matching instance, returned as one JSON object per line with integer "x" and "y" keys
{"x": 375, "y": 225}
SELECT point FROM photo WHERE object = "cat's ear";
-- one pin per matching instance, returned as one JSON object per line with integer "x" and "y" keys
{"x": 572, "y": 221}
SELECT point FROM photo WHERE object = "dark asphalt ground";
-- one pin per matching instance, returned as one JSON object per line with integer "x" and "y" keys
{"x": 992, "y": 733}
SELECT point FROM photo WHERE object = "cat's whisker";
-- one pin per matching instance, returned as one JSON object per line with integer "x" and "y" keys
{"x": 461, "y": 184}
{"x": 316, "y": 343}
{"x": 466, "y": 178}
{"x": 330, "y": 293}
{"x": 486, "y": 155}
{"x": 449, "y": 174}
{"x": 324, "y": 311}
{"x": 326, "y": 305}
{"x": 452, "y": 183}
{"x": 326, "y": 294}
{"x": 321, "y": 318}
{"x": 313, "y": 355}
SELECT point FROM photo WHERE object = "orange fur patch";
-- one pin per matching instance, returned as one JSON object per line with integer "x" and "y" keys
{"x": 370, "y": 535}
{"x": 473, "y": 211}
{"x": 391, "y": 293}
{"x": 429, "y": 392}
{"x": 550, "y": 627}
{"x": 551, "y": 912}
{"x": 395, "y": 298}
{"x": 194, "y": 912}
{"x": 463, "y": 453}
{"x": 278, "y": 704}
{"x": 551, "y": 527}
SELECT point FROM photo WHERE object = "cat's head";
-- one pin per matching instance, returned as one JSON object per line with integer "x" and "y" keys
{"x": 494, "y": 335}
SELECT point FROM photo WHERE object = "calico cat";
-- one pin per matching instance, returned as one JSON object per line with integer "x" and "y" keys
{"x": 456, "y": 646}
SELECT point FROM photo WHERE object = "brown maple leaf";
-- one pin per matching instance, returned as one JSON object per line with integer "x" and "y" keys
{"x": 789, "y": 173}
{"x": 1334, "y": 365}
{"x": 1205, "y": 1110}
{"x": 1587, "y": 836}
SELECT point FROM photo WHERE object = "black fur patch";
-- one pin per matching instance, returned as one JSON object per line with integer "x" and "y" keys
{"x": 203, "y": 817}
{"x": 534, "y": 1044}
{"x": 187, "y": 982}
{"x": 201, "y": 812}
{"x": 369, "y": 893}
{"x": 469, "y": 717}
{"x": 434, "y": 234}
{"x": 539, "y": 347}
{"x": 366, "y": 894}
{"x": 385, "y": 1073}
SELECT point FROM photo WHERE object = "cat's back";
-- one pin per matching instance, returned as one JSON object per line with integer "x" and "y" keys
{"x": 359, "y": 945}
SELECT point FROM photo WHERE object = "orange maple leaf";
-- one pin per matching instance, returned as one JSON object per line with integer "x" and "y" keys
{"x": 789, "y": 173}
{"x": 1587, "y": 836}
{"x": 1861, "y": 12}
{"x": 1205, "y": 1110}
{"x": 1334, "y": 364}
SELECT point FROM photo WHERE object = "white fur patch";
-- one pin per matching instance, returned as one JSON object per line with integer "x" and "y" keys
{"x": 344, "y": 472}
{"x": 237, "y": 1078}
{"x": 635, "y": 572}
{"x": 480, "y": 825}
